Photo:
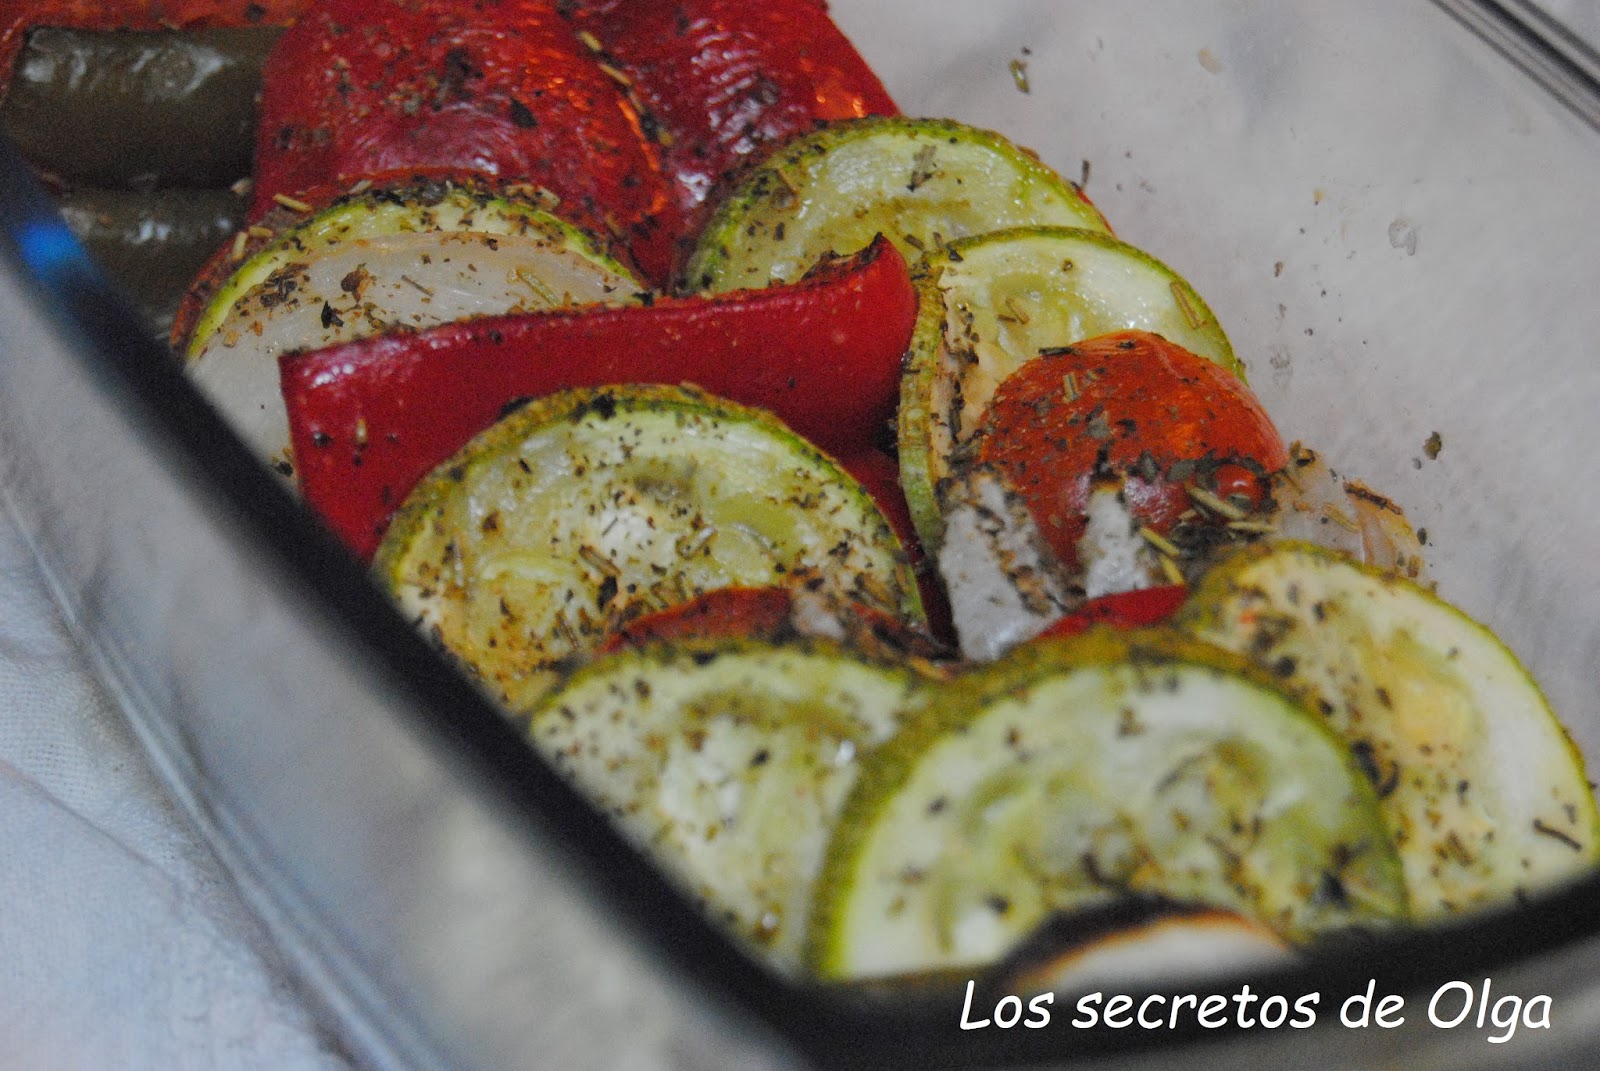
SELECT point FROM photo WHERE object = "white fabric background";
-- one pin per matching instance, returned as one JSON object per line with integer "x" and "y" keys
{"x": 121, "y": 944}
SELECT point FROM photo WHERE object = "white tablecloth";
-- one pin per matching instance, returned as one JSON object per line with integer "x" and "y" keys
{"x": 122, "y": 945}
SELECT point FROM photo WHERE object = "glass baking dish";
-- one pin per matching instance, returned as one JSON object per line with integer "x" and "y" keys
{"x": 1390, "y": 205}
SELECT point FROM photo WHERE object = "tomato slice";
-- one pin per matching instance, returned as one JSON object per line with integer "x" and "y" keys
{"x": 720, "y": 82}
{"x": 369, "y": 418}
{"x": 1129, "y": 405}
{"x": 1123, "y": 609}
{"x": 500, "y": 87}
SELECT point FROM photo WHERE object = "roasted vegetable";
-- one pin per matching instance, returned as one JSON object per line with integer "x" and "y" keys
{"x": 502, "y": 87}
{"x": 138, "y": 110}
{"x": 1187, "y": 442}
{"x": 1004, "y": 584}
{"x": 1142, "y": 940}
{"x": 728, "y": 763}
{"x": 385, "y": 260}
{"x": 782, "y": 615}
{"x": 370, "y": 418}
{"x": 1480, "y": 787}
{"x": 1077, "y": 771}
{"x": 583, "y": 510}
{"x": 1313, "y": 504}
{"x": 919, "y": 182}
{"x": 720, "y": 83}
{"x": 1139, "y": 608}
{"x": 991, "y": 303}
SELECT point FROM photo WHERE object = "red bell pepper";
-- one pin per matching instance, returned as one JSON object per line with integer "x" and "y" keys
{"x": 720, "y": 82}
{"x": 754, "y": 613}
{"x": 1124, "y": 609}
{"x": 369, "y": 418}
{"x": 500, "y": 87}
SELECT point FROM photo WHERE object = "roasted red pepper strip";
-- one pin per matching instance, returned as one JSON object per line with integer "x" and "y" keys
{"x": 370, "y": 418}
{"x": 1124, "y": 609}
{"x": 500, "y": 87}
{"x": 719, "y": 82}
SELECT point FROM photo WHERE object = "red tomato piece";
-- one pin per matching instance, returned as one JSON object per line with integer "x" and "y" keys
{"x": 1124, "y": 609}
{"x": 719, "y": 82}
{"x": 369, "y": 418}
{"x": 500, "y": 87}
{"x": 1129, "y": 405}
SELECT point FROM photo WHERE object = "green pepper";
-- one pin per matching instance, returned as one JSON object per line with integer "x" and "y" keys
{"x": 153, "y": 243}
{"x": 137, "y": 110}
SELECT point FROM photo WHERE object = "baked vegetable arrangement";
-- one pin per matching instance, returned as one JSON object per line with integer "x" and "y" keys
{"x": 897, "y": 555}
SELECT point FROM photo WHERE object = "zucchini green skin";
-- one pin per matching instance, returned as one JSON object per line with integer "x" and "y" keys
{"x": 989, "y": 303}
{"x": 919, "y": 182}
{"x": 1076, "y": 771}
{"x": 1482, "y": 789}
{"x": 125, "y": 109}
{"x": 728, "y": 762}
{"x": 588, "y": 507}
{"x": 152, "y": 243}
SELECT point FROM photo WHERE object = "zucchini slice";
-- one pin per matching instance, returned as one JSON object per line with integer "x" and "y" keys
{"x": 385, "y": 261}
{"x": 919, "y": 182}
{"x": 586, "y": 508}
{"x": 990, "y": 303}
{"x": 1077, "y": 771}
{"x": 1482, "y": 790}
{"x": 728, "y": 761}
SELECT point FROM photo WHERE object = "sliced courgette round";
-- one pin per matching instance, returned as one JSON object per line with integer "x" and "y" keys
{"x": 728, "y": 761}
{"x": 919, "y": 182}
{"x": 1076, "y": 771}
{"x": 385, "y": 260}
{"x": 586, "y": 508}
{"x": 990, "y": 303}
{"x": 1482, "y": 790}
